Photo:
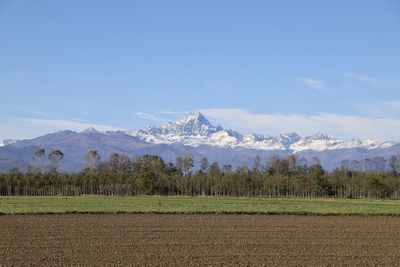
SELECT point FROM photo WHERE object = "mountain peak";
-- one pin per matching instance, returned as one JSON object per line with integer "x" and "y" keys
{"x": 195, "y": 118}
{"x": 7, "y": 142}
{"x": 91, "y": 130}
{"x": 320, "y": 136}
{"x": 193, "y": 124}
{"x": 194, "y": 130}
{"x": 291, "y": 136}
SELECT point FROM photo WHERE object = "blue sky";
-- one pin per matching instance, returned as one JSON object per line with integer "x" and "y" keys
{"x": 260, "y": 66}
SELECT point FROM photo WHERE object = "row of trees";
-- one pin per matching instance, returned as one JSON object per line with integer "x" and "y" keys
{"x": 149, "y": 174}
{"x": 376, "y": 164}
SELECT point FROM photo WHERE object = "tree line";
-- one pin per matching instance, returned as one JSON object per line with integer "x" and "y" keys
{"x": 151, "y": 175}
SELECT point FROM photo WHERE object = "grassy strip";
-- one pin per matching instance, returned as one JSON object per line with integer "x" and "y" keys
{"x": 207, "y": 213}
{"x": 197, "y": 205}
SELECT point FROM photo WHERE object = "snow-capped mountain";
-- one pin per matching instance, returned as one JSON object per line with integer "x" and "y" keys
{"x": 193, "y": 134}
{"x": 7, "y": 142}
{"x": 195, "y": 130}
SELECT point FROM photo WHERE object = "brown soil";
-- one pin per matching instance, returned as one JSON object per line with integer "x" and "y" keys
{"x": 198, "y": 240}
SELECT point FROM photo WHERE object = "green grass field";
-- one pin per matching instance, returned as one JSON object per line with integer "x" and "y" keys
{"x": 148, "y": 204}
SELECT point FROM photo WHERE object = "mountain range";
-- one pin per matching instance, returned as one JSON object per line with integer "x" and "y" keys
{"x": 195, "y": 130}
{"x": 196, "y": 135}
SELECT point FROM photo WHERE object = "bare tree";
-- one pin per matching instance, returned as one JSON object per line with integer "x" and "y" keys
{"x": 257, "y": 164}
{"x": 39, "y": 153}
{"x": 188, "y": 164}
{"x": 380, "y": 164}
{"x": 227, "y": 168}
{"x": 113, "y": 163}
{"x": 204, "y": 165}
{"x": 92, "y": 159}
{"x": 55, "y": 158}
{"x": 394, "y": 164}
{"x": 179, "y": 165}
{"x": 292, "y": 159}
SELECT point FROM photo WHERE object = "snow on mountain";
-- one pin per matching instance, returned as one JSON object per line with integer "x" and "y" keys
{"x": 195, "y": 130}
{"x": 94, "y": 131}
{"x": 194, "y": 124}
{"x": 7, "y": 142}
{"x": 91, "y": 130}
{"x": 193, "y": 134}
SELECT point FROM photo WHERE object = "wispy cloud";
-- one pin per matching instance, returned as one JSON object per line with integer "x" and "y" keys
{"x": 35, "y": 112}
{"x": 149, "y": 116}
{"x": 315, "y": 84}
{"x": 380, "y": 108}
{"x": 22, "y": 128}
{"x": 371, "y": 80}
{"x": 161, "y": 116}
{"x": 343, "y": 126}
{"x": 172, "y": 112}
{"x": 58, "y": 124}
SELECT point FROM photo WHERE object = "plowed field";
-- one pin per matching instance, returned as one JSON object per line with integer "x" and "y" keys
{"x": 198, "y": 240}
